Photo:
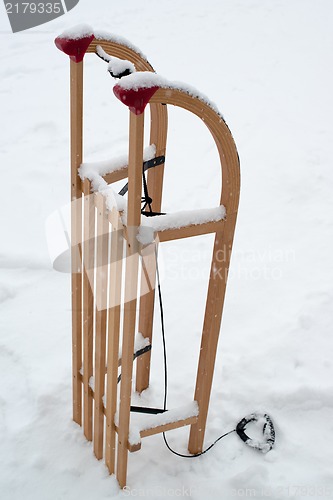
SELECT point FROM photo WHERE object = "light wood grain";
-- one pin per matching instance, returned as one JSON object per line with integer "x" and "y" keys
{"x": 136, "y": 131}
{"x": 76, "y": 97}
{"x": 158, "y": 136}
{"x": 100, "y": 315}
{"x": 159, "y": 429}
{"x": 115, "y": 280}
{"x": 88, "y": 306}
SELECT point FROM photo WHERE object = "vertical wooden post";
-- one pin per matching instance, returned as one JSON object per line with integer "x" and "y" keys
{"x": 147, "y": 299}
{"x": 158, "y": 136}
{"x": 76, "y": 97}
{"x": 88, "y": 305}
{"x": 115, "y": 277}
{"x": 100, "y": 315}
{"x": 211, "y": 330}
{"x": 131, "y": 283}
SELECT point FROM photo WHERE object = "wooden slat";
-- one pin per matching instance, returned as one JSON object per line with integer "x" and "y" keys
{"x": 76, "y": 96}
{"x": 115, "y": 278}
{"x": 189, "y": 231}
{"x": 211, "y": 330}
{"x": 131, "y": 282}
{"x": 88, "y": 306}
{"x": 118, "y": 175}
{"x": 158, "y": 429}
{"x": 168, "y": 427}
{"x": 112, "y": 177}
{"x": 158, "y": 136}
{"x": 133, "y": 447}
{"x": 100, "y": 315}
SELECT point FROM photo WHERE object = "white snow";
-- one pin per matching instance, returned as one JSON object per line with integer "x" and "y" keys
{"x": 187, "y": 218}
{"x": 92, "y": 383}
{"x": 118, "y": 66}
{"x": 95, "y": 170}
{"x": 77, "y": 32}
{"x": 111, "y": 37}
{"x": 147, "y": 79}
{"x": 89, "y": 170}
{"x": 82, "y": 30}
{"x": 113, "y": 199}
{"x": 140, "y": 342}
{"x": 267, "y": 66}
{"x": 115, "y": 65}
{"x": 150, "y": 225}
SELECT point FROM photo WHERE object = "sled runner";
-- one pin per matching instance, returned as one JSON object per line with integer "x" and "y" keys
{"x": 114, "y": 252}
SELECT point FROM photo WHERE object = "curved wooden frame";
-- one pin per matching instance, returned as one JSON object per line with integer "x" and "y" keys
{"x": 219, "y": 267}
{"x": 222, "y": 247}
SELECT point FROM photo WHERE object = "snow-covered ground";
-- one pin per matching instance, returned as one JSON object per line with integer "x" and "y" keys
{"x": 267, "y": 66}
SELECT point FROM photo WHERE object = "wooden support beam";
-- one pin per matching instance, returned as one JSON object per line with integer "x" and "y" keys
{"x": 158, "y": 136}
{"x": 88, "y": 306}
{"x": 136, "y": 132}
{"x": 115, "y": 279}
{"x": 100, "y": 322}
{"x": 76, "y": 99}
{"x": 190, "y": 231}
{"x": 118, "y": 175}
{"x": 211, "y": 330}
{"x": 158, "y": 430}
{"x": 168, "y": 427}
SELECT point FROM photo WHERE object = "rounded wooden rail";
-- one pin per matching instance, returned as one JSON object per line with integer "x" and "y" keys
{"x": 122, "y": 51}
{"x": 222, "y": 136}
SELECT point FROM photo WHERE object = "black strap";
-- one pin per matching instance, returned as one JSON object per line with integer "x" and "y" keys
{"x": 137, "y": 353}
{"x": 154, "y": 162}
{"x": 146, "y": 199}
{"x": 151, "y": 411}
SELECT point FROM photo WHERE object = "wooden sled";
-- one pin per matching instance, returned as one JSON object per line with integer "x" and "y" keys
{"x": 99, "y": 262}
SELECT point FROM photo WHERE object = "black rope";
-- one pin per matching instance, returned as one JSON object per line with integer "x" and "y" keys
{"x": 268, "y": 428}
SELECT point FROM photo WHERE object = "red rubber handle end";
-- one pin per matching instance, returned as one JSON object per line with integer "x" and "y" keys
{"x": 135, "y": 99}
{"x": 75, "y": 49}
